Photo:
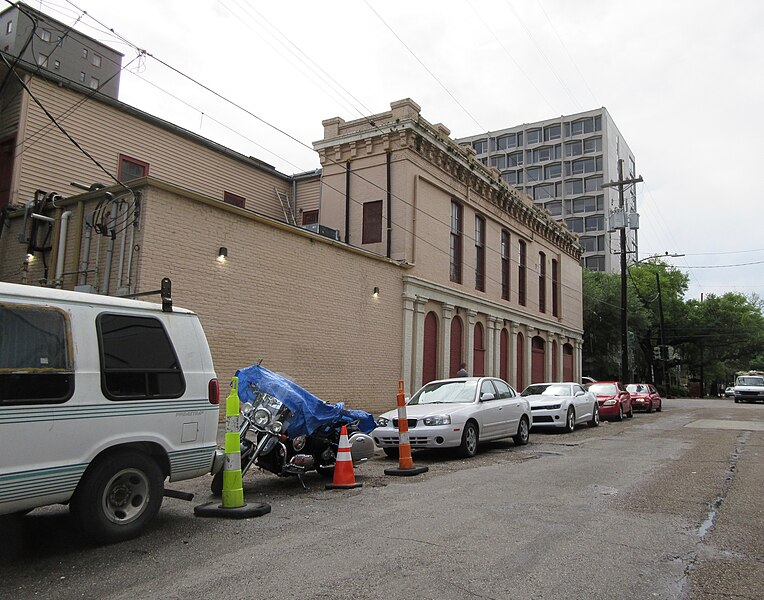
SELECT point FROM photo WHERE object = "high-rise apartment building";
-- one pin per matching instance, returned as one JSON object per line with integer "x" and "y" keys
{"x": 42, "y": 40}
{"x": 562, "y": 163}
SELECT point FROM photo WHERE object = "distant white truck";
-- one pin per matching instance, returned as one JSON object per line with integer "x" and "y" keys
{"x": 749, "y": 386}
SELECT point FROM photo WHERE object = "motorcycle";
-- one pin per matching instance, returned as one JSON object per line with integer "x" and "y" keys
{"x": 287, "y": 431}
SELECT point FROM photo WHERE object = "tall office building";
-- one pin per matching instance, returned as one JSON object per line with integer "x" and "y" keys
{"x": 562, "y": 163}
{"x": 39, "y": 39}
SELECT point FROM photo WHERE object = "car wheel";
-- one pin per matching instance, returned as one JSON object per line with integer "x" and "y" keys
{"x": 570, "y": 420}
{"x": 216, "y": 487}
{"x": 595, "y": 416}
{"x": 118, "y": 496}
{"x": 468, "y": 447}
{"x": 523, "y": 432}
{"x": 391, "y": 452}
{"x": 660, "y": 406}
{"x": 620, "y": 412}
{"x": 630, "y": 414}
{"x": 649, "y": 408}
{"x": 737, "y": 401}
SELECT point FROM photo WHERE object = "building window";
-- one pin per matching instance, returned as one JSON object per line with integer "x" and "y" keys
{"x": 555, "y": 288}
{"x": 137, "y": 359}
{"x": 593, "y": 184}
{"x": 515, "y": 159}
{"x": 576, "y": 224}
{"x": 574, "y": 186}
{"x": 499, "y": 161}
{"x": 533, "y": 174}
{"x": 82, "y": 76}
{"x": 44, "y": 35}
{"x": 521, "y": 270}
{"x": 372, "y": 222}
{"x": 9, "y": 27}
{"x": 595, "y": 263}
{"x": 505, "y": 264}
{"x": 554, "y": 208}
{"x": 57, "y": 65}
{"x": 94, "y": 83}
{"x": 131, "y": 168}
{"x": 533, "y": 136}
{"x": 480, "y": 254}
{"x": 42, "y": 60}
{"x": 456, "y": 242}
{"x": 309, "y": 217}
{"x": 95, "y": 60}
{"x": 234, "y": 199}
{"x": 480, "y": 146}
{"x": 552, "y": 171}
{"x": 512, "y": 140}
{"x": 543, "y": 192}
{"x": 586, "y": 125}
{"x": 84, "y": 53}
{"x": 594, "y": 223}
{"x": 542, "y": 282}
{"x": 552, "y": 132}
{"x": 593, "y": 145}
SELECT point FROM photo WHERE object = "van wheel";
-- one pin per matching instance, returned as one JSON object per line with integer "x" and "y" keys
{"x": 118, "y": 496}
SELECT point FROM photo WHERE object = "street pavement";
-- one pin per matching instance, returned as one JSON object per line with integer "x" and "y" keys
{"x": 664, "y": 505}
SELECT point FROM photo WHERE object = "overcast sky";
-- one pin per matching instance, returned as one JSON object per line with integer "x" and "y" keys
{"x": 683, "y": 81}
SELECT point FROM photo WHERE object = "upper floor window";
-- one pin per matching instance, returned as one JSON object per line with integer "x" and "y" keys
{"x": 235, "y": 199}
{"x": 544, "y": 192}
{"x": 480, "y": 146}
{"x": 574, "y": 186}
{"x": 555, "y": 288}
{"x": 585, "y": 125}
{"x": 372, "y": 222}
{"x": 554, "y": 208}
{"x": 84, "y": 53}
{"x": 499, "y": 161}
{"x": 9, "y": 27}
{"x": 542, "y": 282}
{"x": 534, "y": 174}
{"x": 480, "y": 253}
{"x": 131, "y": 168}
{"x": 584, "y": 165}
{"x": 552, "y": 132}
{"x": 42, "y": 60}
{"x": 505, "y": 264}
{"x": 513, "y": 177}
{"x": 57, "y": 65}
{"x": 593, "y": 184}
{"x": 593, "y": 145}
{"x": 515, "y": 159}
{"x": 82, "y": 76}
{"x": 576, "y": 224}
{"x": 533, "y": 136}
{"x": 552, "y": 171}
{"x": 574, "y": 148}
{"x": 309, "y": 217}
{"x": 521, "y": 271}
{"x": 455, "y": 273}
{"x": 511, "y": 140}
{"x": 595, "y": 263}
{"x": 95, "y": 60}
{"x": 94, "y": 83}
{"x": 44, "y": 35}
{"x": 594, "y": 223}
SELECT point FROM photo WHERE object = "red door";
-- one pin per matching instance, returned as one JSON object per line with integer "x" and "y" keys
{"x": 430, "y": 348}
{"x": 503, "y": 354}
{"x": 537, "y": 360}
{"x": 554, "y": 361}
{"x": 478, "y": 355}
{"x": 520, "y": 362}
{"x": 456, "y": 346}
{"x": 567, "y": 362}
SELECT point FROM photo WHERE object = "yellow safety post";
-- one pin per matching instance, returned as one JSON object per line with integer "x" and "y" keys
{"x": 233, "y": 492}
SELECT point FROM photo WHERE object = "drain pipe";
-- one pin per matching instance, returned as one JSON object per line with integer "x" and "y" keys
{"x": 121, "y": 269}
{"x": 110, "y": 245}
{"x": 347, "y": 202}
{"x": 61, "y": 248}
{"x": 82, "y": 279}
{"x": 389, "y": 205}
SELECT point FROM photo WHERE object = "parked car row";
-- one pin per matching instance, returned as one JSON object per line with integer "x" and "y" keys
{"x": 462, "y": 412}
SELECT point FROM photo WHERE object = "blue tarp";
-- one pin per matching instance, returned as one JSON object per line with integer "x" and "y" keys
{"x": 310, "y": 412}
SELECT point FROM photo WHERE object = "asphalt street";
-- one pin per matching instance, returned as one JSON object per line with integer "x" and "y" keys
{"x": 664, "y": 505}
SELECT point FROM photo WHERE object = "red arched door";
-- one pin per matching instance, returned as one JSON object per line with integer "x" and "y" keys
{"x": 537, "y": 360}
{"x": 456, "y": 346}
{"x": 554, "y": 361}
{"x": 520, "y": 362}
{"x": 478, "y": 352}
{"x": 567, "y": 362}
{"x": 430, "y": 348}
{"x": 504, "y": 354}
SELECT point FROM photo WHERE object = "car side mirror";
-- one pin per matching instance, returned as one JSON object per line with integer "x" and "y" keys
{"x": 579, "y": 393}
{"x": 486, "y": 396}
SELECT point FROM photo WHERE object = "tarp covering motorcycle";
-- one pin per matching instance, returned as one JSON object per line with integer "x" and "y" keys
{"x": 310, "y": 412}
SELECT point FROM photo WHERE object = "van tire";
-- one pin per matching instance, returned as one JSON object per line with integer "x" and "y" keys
{"x": 118, "y": 496}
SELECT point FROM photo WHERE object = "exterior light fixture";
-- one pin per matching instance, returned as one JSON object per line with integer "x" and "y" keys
{"x": 376, "y": 292}
{"x": 29, "y": 257}
{"x": 222, "y": 254}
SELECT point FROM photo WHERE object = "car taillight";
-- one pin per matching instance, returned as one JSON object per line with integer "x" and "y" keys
{"x": 213, "y": 391}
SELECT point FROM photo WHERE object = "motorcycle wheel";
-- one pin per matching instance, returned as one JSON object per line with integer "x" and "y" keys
{"x": 216, "y": 487}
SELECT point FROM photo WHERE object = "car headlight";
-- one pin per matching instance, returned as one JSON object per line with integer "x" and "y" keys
{"x": 610, "y": 402}
{"x": 261, "y": 417}
{"x": 383, "y": 422}
{"x": 437, "y": 420}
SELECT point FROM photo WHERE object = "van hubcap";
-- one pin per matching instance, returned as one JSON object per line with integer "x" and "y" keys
{"x": 126, "y": 496}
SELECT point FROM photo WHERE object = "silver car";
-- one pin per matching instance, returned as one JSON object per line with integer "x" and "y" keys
{"x": 562, "y": 405}
{"x": 458, "y": 413}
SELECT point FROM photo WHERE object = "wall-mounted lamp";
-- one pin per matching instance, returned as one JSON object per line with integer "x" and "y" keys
{"x": 222, "y": 254}
{"x": 375, "y": 294}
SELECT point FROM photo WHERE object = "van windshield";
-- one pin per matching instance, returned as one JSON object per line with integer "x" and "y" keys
{"x": 750, "y": 381}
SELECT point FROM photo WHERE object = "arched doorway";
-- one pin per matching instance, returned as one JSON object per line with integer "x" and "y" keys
{"x": 554, "y": 361}
{"x": 430, "y": 348}
{"x": 538, "y": 356}
{"x": 478, "y": 352}
{"x": 567, "y": 362}
{"x": 504, "y": 354}
{"x": 456, "y": 346}
{"x": 520, "y": 362}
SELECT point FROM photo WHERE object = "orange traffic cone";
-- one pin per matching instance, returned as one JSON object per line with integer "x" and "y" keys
{"x": 344, "y": 478}
{"x": 405, "y": 462}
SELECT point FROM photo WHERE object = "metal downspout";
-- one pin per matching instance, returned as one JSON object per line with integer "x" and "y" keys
{"x": 110, "y": 246}
{"x": 347, "y": 202}
{"x": 82, "y": 279}
{"x": 61, "y": 253}
{"x": 389, "y": 206}
{"x": 120, "y": 268}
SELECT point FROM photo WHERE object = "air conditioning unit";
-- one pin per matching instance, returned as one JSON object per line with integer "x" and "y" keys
{"x": 323, "y": 230}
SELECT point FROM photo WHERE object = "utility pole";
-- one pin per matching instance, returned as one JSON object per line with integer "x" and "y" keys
{"x": 620, "y": 184}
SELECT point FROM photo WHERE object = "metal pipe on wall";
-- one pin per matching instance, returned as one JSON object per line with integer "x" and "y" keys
{"x": 61, "y": 253}
{"x": 110, "y": 245}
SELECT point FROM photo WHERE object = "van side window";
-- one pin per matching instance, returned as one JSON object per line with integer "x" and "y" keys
{"x": 35, "y": 363}
{"x": 137, "y": 359}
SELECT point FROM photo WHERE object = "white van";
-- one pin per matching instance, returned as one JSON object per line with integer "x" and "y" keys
{"x": 101, "y": 399}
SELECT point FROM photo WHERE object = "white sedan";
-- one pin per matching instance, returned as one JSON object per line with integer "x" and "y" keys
{"x": 563, "y": 405}
{"x": 458, "y": 413}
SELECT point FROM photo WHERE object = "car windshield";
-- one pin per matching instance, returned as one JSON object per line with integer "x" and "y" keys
{"x": 446, "y": 392}
{"x": 603, "y": 388}
{"x": 750, "y": 381}
{"x": 547, "y": 389}
{"x": 637, "y": 388}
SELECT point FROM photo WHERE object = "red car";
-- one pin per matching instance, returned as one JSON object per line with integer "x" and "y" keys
{"x": 613, "y": 399}
{"x": 645, "y": 397}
